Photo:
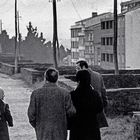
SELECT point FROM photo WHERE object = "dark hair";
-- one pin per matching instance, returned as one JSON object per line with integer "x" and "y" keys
{"x": 83, "y": 76}
{"x": 82, "y": 63}
{"x": 51, "y": 75}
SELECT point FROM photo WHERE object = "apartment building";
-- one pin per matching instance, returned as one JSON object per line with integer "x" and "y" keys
{"x": 92, "y": 40}
{"x": 132, "y": 33}
{"x": 107, "y": 41}
{"x": 86, "y": 39}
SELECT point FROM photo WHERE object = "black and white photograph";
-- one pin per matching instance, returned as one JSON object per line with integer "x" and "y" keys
{"x": 69, "y": 69}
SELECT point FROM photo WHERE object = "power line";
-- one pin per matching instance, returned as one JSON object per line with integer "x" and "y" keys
{"x": 76, "y": 10}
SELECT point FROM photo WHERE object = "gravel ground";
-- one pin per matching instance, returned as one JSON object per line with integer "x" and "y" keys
{"x": 17, "y": 94}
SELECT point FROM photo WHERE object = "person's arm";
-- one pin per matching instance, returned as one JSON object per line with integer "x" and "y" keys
{"x": 103, "y": 93}
{"x": 8, "y": 115}
{"x": 70, "y": 109}
{"x": 32, "y": 110}
{"x": 98, "y": 102}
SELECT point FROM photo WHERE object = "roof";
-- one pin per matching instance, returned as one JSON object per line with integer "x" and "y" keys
{"x": 91, "y": 21}
{"x": 129, "y": 2}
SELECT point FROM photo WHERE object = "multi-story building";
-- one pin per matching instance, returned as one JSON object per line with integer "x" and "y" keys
{"x": 92, "y": 40}
{"x": 107, "y": 41}
{"x": 132, "y": 33}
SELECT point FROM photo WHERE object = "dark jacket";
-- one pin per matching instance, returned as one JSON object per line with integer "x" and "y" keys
{"x": 48, "y": 111}
{"x": 84, "y": 126}
{"x": 98, "y": 84}
{"x": 5, "y": 118}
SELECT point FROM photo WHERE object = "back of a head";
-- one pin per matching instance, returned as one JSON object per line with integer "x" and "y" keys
{"x": 82, "y": 63}
{"x": 51, "y": 75}
{"x": 83, "y": 77}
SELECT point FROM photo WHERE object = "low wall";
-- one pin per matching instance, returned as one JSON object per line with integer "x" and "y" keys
{"x": 7, "y": 68}
{"x": 36, "y": 66}
{"x": 31, "y": 76}
{"x": 123, "y": 101}
{"x": 117, "y": 81}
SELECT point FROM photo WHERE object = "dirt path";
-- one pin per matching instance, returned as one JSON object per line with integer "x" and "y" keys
{"x": 17, "y": 95}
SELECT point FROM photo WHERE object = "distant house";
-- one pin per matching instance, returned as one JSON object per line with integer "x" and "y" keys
{"x": 67, "y": 60}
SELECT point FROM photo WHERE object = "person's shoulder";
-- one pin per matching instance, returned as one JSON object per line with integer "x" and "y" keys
{"x": 37, "y": 91}
{"x": 94, "y": 72}
{"x": 62, "y": 89}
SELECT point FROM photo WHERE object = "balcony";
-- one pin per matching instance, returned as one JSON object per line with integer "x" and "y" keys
{"x": 81, "y": 34}
{"x": 81, "y": 48}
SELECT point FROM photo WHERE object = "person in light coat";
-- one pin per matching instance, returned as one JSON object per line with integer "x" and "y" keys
{"x": 49, "y": 108}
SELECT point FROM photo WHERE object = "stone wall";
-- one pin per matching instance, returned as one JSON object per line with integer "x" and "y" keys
{"x": 31, "y": 76}
{"x": 123, "y": 101}
{"x": 7, "y": 68}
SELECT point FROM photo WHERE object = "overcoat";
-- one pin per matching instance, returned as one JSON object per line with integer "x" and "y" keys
{"x": 84, "y": 125}
{"x": 5, "y": 120}
{"x": 48, "y": 110}
{"x": 98, "y": 85}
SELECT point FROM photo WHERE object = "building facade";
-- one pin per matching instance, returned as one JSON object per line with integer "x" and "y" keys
{"x": 129, "y": 5}
{"x": 132, "y": 39}
{"x": 92, "y": 40}
{"x": 132, "y": 33}
{"x": 107, "y": 41}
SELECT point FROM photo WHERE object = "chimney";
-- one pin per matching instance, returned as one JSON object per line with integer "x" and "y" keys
{"x": 94, "y": 14}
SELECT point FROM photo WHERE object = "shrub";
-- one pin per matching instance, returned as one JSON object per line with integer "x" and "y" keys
{"x": 120, "y": 81}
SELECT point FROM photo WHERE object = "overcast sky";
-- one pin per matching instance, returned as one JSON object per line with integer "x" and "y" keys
{"x": 39, "y": 12}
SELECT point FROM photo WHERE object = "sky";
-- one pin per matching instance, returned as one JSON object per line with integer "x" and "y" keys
{"x": 40, "y": 13}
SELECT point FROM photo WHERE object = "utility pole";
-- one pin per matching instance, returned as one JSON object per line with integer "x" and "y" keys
{"x": 0, "y": 26}
{"x": 19, "y": 36}
{"x": 16, "y": 51}
{"x": 0, "y": 33}
{"x": 55, "y": 36}
{"x": 115, "y": 38}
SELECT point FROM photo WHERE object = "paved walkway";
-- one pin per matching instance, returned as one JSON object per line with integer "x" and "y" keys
{"x": 17, "y": 95}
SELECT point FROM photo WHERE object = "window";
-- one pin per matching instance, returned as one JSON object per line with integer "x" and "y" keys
{"x": 87, "y": 49}
{"x": 111, "y": 40}
{"x": 110, "y": 24}
{"x": 111, "y": 58}
{"x": 103, "y": 57}
{"x": 75, "y": 55}
{"x": 103, "y": 41}
{"x": 107, "y": 57}
{"x": 98, "y": 51}
{"x": 107, "y": 24}
{"x": 102, "y": 25}
{"x": 90, "y": 49}
{"x": 107, "y": 41}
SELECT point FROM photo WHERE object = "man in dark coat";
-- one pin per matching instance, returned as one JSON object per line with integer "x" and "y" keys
{"x": 49, "y": 108}
{"x": 84, "y": 125}
{"x": 98, "y": 85}
{"x": 5, "y": 117}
